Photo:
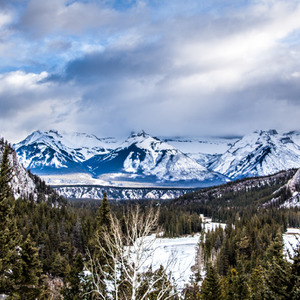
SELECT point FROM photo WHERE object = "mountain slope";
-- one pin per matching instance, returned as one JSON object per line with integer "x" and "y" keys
{"x": 118, "y": 193}
{"x": 147, "y": 157}
{"x": 22, "y": 184}
{"x": 26, "y": 185}
{"x": 258, "y": 154}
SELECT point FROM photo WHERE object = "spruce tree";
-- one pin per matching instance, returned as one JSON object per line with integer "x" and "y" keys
{"x": 30, "y": 284}
{"x": 237, "y": 286}
{"x": 9, "y": 236}
{"x": 211, "y": 288}
{"x": 74, "y": 283}
{"x": 104, "y": 217}
{"x": 277, "y": 271}
{"x": 103, "y": 228}
{"x": 295, "y": 280}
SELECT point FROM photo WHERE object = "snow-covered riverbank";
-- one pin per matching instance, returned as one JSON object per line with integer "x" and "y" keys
{"x": 290, "y": 240}
{"x": 179, "y": 253}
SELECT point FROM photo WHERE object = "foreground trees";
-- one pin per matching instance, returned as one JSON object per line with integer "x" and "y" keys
{"x": 20, "y": 267}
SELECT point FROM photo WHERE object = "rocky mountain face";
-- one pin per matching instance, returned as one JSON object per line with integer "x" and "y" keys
{"x": 293, "y": 187}
{"x": 26, "y": 185}
{"x": 21, "y": 183}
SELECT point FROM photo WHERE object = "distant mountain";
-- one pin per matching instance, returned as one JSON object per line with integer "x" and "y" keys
{"x": 258, "y": 154}
{"x": 150, "y": 159}
{"x": 119, "y": 193}
{"x": 47, "y": 152}
{"x": 143, "y": 160}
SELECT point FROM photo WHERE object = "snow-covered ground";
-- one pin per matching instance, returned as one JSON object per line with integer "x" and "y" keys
{"x": 179, "y": 253}
{"x": 290, "y": 240}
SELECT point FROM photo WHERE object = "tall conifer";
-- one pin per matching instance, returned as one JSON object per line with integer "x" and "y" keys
{"x": 9, "y": 236}
{"x": 211, "y": 288}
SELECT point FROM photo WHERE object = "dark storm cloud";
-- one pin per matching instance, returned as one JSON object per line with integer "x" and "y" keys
{"x": 110, "y": 64}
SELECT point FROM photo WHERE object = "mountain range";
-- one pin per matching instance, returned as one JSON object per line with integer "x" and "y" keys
{"x": 143, "y": 160}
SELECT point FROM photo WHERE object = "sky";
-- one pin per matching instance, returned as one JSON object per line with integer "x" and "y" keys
{"x": 169, "y": 67}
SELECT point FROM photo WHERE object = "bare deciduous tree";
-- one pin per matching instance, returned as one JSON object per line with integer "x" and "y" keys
{"x": 128, "y": 271}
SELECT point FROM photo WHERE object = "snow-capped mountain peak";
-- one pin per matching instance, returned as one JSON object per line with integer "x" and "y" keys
{"x": 143, "y": 140}
{"x": 149, "y": 158}
{"x": 51, "y": 149}
{"x": 258, "y": 154}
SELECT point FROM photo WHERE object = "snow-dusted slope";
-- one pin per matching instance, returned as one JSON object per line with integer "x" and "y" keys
{"x": 51, "y": 150}
{"x": 147, "y": 156}
{"x": 204, "y": 145}
{"x": 204, "y": 150}
{"x": 293, "y": 186}
{"x": 21, "y": 183}
{"x": 119, "y": 193}
{"x": 258, "y": 154}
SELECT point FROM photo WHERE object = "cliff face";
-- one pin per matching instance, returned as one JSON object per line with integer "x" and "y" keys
{"x": 21, "y": 183}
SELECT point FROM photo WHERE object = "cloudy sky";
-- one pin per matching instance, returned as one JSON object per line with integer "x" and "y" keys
{"x": 170, "y": 67}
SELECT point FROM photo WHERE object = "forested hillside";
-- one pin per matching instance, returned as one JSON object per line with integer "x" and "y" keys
{"x": 52, "y": 249}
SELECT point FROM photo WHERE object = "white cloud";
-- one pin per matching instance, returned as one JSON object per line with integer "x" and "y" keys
{"x": 27, "y": 103}
{"x": 184, "y": 68}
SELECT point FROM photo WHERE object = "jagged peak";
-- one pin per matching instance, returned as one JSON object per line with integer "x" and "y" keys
{"x": 141, "y": 133}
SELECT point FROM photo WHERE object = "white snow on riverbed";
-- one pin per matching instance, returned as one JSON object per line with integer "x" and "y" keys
{"x": 177, "y": 254}
{"x": 290, "y": 240}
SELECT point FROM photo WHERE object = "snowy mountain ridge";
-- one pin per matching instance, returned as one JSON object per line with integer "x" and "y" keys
{"x": 146, "y": 159}
{"x": 258, "y": 154}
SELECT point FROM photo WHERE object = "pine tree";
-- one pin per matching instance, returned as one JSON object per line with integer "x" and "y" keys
{"x": 104, "y": 217}
{"x": 30, "y": 283}
{"x": 211, "y": 288}
{"x": 9, "y": 236}
{"x": 277, "y": 271}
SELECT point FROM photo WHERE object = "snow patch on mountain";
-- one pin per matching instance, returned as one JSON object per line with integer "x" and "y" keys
{"x": 294, "y": 186}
